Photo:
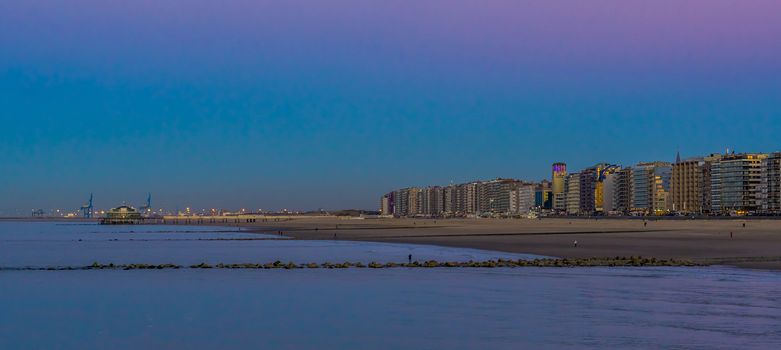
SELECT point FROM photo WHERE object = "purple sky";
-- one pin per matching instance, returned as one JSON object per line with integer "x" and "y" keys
{"x": 330, "y": 99}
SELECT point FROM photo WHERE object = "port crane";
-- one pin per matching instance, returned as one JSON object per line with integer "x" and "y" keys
{"x": 86, "y": 209}
{"x": 147, "y": 208}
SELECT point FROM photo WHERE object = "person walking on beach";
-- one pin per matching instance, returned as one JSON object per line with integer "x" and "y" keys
{"x": 730, "y": 234}
{"x": 575, "y": 243}
{"x": 409, "y": 258}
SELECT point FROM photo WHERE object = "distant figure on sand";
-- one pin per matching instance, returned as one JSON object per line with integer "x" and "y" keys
{"x": 744, "y": 224}
{"x": 645, "y": 223}
{"x": 409, "y": 258}
{"x": 575, "y": 243}
{"x": 334, "y": 235}
{"x": 730, "y": 234}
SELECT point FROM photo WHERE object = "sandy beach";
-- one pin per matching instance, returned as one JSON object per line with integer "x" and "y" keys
{"x": 755, "y": 245}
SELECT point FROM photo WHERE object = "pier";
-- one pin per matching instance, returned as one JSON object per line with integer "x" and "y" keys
{"x": 126, "y": 215}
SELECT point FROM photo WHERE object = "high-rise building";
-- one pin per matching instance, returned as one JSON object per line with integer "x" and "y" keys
{"x": 522, "y": 198}
{"x": 471, "y": 195}
{"x": 401, "y": 202}
{"x": 651, "y": 187}
{"x": 494, "y": 196}
{"x": 450, "y": 197}
{"x": 415, "y": 206}
{"x": 660, "y": 189}
{"x": 707, "y": 183}
{"x": 431, "y": 201}
{"x": 543, "y": 195}
{"x": 622, "y": 191}
{"x": 603, "y": 196}
{"x": 735, "y": 183}
{"x": 608, "y": 192}
{"x": 572, "y": 194}
{"x": 770, "y": 194}
{"x": 559, "y": 176}
{"x": 690, "y": 185}
{"x": 587, "y": 189}
{"x": 592, "y": 192}
{"x": 686, "y": 187}
{"x": 387, "y": 204}
{"x": 460, "y": 201}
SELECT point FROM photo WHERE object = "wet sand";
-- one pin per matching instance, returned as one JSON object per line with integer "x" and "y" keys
{"x": 757, "y": 245}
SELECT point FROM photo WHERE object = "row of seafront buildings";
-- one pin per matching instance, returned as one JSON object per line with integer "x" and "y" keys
{"x": 718, "y": 184}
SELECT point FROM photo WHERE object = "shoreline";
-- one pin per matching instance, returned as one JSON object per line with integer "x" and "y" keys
{"x": 753, "y": 243}
{"x": 707, "y": 242}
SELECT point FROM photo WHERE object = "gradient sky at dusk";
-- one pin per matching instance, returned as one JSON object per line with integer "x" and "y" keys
{"x": 309, "y": 104}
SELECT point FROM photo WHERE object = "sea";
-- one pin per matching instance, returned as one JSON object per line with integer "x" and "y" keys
{"x": 713, "y": 307}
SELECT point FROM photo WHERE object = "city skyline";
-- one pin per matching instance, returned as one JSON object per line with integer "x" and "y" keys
{"x": 717, "y": 184}
{"x": 275, "y": 105}
{"x": 555, "y": 183}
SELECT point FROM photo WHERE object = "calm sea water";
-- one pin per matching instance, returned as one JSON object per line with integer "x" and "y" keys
{"x": 43, "y": 244}
{"x": 599, "y": 308}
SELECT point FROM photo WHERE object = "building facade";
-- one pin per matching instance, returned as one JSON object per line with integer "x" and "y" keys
{"x": 718, "y": 184}
{"x": 687, "y": 186}
{"x": 622, "y": 191}
{"x": 572, "y": 194}
{"x": 592, "y": 188}
{"x": 523, "y": 198}
{"x": 735, "y": 183}
{"x": 558, "y": 188}
{"x": 651, "y": 188}
{"x": 494, "y": 196}
{"x": 387, "y": 204}
{"x": 543, "y": 195}
{"x": 770, "y": 184}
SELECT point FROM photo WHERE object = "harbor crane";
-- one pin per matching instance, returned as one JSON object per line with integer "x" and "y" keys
{"x": 147, "y": 208}
{"x": 86, "y": 209}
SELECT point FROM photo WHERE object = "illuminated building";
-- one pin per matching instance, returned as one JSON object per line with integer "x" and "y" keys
{"x": 735, "y": 183}
{"x": 543, "y": 195}
{"x": 122, "y": 215}
{"x": 592, "y": 187}
{"x": 651, "y": 188}
{"x": 559, "y": 176}
{"x": 690, "y": 184}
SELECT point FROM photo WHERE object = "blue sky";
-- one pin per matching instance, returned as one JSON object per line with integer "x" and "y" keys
{"x": 307, "y": 105}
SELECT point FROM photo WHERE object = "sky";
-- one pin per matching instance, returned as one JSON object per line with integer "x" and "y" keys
{"x": 329, "y": 104}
